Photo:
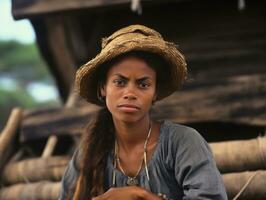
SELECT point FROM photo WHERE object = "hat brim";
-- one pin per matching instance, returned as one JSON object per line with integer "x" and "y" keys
{"x": 87, "y": 77}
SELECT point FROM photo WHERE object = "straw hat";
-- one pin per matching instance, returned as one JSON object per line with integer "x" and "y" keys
{"x": 132, "y": 38}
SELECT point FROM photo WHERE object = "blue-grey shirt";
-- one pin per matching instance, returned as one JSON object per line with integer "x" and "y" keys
{"x": 181, "y": 167}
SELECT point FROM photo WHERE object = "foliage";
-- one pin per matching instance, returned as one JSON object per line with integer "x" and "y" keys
{"x": 23, "y": 63}
{"x": 9, "y": 100}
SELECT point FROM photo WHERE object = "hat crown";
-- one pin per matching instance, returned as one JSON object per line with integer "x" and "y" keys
{"x": 143, "y": 30}
{"x": 133, "y": 38}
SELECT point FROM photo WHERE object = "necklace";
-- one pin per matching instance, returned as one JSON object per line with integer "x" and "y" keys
{"x": 132, "y": 181}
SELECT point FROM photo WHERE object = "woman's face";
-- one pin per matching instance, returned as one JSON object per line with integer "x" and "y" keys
{"x": 130, "y": 89}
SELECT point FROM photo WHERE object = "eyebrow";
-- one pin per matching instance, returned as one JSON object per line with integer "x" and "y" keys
{"x": 126, "y": 78}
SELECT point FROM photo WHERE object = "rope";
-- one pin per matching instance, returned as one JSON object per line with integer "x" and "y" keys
{"x": 245, "y": 186}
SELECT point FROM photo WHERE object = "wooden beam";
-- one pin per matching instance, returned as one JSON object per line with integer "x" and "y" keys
{"x": 46, "y": 7}
{"x": 42, "y": 7}
{"x": 61, "y": 121}
{"x": 57, "y": 42}
{"x": 8, "y": 136}
{"x": 238, "y": 99}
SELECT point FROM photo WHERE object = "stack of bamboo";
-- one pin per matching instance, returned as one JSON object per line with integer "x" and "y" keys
{"x": 31, "y": 179}
{"x": 242, "y": 164}
{"x": 243, "y": 167}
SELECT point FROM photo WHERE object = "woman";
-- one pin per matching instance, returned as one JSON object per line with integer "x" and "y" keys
{"x": 125, "y": 155}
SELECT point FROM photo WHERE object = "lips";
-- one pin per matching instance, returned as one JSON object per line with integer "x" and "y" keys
{"x": 128, "y": 107}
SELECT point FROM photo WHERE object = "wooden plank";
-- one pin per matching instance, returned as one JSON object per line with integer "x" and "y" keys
{"x": 239, "y": 99}
{"x": 61, "y": 121}
{"x": 23, "y": 10}
{"x": 62, "y": 56}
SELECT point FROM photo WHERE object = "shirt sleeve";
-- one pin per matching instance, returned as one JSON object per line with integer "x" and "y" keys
{"x": 69, "y": 179}
{"x": 195, "y": 169}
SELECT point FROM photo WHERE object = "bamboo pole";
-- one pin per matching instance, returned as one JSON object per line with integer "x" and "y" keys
{"x": 249, "y": 185}
{"x": 8, "y": 135}
{"x": 50, "y": 146}
{"x": 72, "y": 100}
{"x": 241, "y": 155}
{"x": 31, "y": 191}
{"x": 32, "y": 170}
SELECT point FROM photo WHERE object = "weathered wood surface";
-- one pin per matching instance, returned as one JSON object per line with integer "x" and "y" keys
{"x": 31, "y": 191}
{"x": 33, "y": 170}
{"x": 230, "y": 156}
{"x": 216, "y": 44}
{"x": 61, "y": 62}
{"x": 9, "y": 136}
{"x": 226, "y": 57}
{"x": 58, "y": 121}
{"x": 22, "y": 10}
{"x": 240, "y": 99}
{"x": 255, "y": 189}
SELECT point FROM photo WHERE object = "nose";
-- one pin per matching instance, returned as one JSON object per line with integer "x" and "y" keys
{"x": 129, "y": 93}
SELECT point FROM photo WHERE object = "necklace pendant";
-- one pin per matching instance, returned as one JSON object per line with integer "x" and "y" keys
{"x": 132, "y": 181}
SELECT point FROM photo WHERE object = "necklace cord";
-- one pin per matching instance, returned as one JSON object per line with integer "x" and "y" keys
{"x": 116, "y": 162}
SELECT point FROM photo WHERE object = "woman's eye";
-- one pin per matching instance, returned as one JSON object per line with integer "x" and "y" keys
{"x": 119, "y": 82}
{"x": 144, "y": 85}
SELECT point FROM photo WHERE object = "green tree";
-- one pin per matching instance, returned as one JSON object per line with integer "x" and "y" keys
{"x": 23, "y": 63}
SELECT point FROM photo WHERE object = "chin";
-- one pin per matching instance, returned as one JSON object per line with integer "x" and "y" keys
{"x": 128, "y": 118}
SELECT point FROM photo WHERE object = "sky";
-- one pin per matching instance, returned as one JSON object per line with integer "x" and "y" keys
{"x": 22, "y": 31}
{"x": 10, "y": 29}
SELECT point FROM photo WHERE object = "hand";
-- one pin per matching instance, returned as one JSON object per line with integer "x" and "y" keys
{"x": 121, "y": 193}
{"x": 127, "y": 193}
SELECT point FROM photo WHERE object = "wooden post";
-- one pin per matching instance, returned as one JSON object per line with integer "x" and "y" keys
{"x": 8, "y": 136}
{"x": 50, "y": 146}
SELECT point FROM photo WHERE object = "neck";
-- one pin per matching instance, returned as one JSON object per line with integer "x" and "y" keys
{"x": 130, "y": 135}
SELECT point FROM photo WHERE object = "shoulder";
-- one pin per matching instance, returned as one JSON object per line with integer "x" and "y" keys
{"x": 176, "y": 133}
{"x": 179, "y": 140}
